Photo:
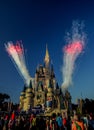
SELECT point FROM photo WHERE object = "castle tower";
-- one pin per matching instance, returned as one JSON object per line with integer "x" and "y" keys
{"x": 29, "y": 97}
{"x": 22, "y": 96}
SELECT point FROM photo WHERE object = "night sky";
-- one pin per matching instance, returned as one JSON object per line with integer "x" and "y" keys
{"x": 40, "y": 22}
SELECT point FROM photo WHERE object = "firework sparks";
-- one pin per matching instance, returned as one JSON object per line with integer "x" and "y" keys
{"x": 16, "y": 53}
{"x": 71, "y": 52}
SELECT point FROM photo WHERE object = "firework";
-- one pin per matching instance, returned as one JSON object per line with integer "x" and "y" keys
{"x": 16, "y": 53}
{"x": 71, "y": 52}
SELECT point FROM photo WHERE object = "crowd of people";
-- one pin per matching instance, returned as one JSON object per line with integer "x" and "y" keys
{"x": 54, "y": 122}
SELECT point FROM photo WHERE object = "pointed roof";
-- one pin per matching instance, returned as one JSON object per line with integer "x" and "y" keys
{"x": 47, "y": 57}
{"x": 52, "y": 71}
{"x": 47, "y": 53}
{"x": 57, "y": 86}
{"x": 50, "y": 85}
{"x": 24, "y": 89}
{"x": 30, "y": 85}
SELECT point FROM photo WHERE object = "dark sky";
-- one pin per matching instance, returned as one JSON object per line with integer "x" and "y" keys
{"x": 37, "y": 22}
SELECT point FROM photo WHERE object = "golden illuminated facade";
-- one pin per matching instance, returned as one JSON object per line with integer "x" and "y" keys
{"x": 43, "y": 89}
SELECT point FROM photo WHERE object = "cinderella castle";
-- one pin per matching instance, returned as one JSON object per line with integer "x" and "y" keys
{"x": 44, "y": 90}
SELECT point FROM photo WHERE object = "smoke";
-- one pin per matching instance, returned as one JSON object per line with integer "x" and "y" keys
{"x": 76, "y": 43}
{"x": 16, "y": 53}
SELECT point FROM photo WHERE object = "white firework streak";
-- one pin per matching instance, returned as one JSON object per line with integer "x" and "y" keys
{"x": 77, "y": 36}
{"x": 68, "y": 68}
{"x": 19, "y": 61}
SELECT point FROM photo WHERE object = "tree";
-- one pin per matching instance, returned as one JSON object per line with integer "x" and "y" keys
{"x": 3, "y": 97}
{"x": 88, "y": 106}
{"x": 3, "y": 103}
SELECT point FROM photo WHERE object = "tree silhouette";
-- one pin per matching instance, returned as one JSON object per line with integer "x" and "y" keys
{"x": 3, "y": 97}
{"x": 88, "y": 106}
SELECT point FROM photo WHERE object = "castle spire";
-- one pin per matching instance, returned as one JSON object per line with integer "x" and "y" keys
{"x": 47, "y": 57}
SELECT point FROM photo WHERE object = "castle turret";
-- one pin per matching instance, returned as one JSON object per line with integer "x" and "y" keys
{"x": 29, "y": 97}
{"x": 52, "y": 72}
{"x": 22, "y": 96}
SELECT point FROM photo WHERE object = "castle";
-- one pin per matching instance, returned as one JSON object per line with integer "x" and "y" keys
{"x": 44, "y": 90}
